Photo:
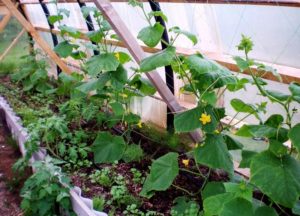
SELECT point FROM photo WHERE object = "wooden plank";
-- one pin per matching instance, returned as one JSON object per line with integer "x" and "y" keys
{"x": 12, "y": 44}
{"x": 138, "y": 54}
{"x": 288, "y": 74}
{"x": 285, "y": 3}
{"x": 3, "y": 10}
{"x": 4, "y": 21}
{"x": 43, "y": 44}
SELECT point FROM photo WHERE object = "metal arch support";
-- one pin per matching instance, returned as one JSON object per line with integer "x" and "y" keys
{"x": 168, "y": 69}
{"x": 53, "y": 36}
{"x": 89, "y": 24}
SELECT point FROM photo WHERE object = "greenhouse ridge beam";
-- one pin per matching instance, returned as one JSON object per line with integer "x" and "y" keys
{"x": 43, "y": 44}
{"x": 287, "y": 3}
{"x": 288, "y": 74}
{"x": 138, "y": 54}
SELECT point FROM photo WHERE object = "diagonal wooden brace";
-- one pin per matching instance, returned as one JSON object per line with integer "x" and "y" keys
{"x": 29, "y": 28}
{"x": 137, "y": 52}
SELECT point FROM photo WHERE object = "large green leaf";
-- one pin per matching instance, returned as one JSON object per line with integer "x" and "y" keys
{"x": 240, "y": 106}
{"x": 108, "y": 148}
{"x": 158, "y": 59}
{"x": 65, "y": 49}
{"x": 163, "y": 172}
{"x": 216, "y": 146}
{"x": 70, "y": 31}
{"x": 213, "y": 205}
{"x": 201, "y": 65}
{"x": 265, "y": 211}
{"x": 237, "y": 206}
{"x": 294, "y": 135}
{"x": 247, "y": 156}
{"x": 143, "y": 85}
{"x": 279, "y": 178}
{"x": 188, "y": 120}
{"x": 241, "y": 63}
{"x": 278, "y": 95}
{"x": 102, "y": 63}
{"x": 151, "y": 35}
{"x": 212, "y": 189}
{"x": 95, "y": 36}
{"x": 94, "y": 84}
{"x": 295, "y": 89}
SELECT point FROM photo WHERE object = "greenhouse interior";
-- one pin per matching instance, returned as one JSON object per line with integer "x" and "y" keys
{"x": 149, "y": 108}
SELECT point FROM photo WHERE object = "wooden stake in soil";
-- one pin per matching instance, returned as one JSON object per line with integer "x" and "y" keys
{"x": 43, "y": 44}
{"x": 137, "y": 52}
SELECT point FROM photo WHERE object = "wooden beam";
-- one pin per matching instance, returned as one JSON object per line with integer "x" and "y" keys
{"x": 28, "y": 27}
{"x": 138, "y": 54}
{"x": 12, "y": 44}
{"x": 285, "y": 3}
{"x": 3, "y": 10}
{"x": 4, "y": 21}
{"x": 288, "y": 74}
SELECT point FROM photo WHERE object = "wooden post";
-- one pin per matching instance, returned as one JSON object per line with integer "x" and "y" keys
{"x": 138, "y": 54}
{"x": 43, "y": 44}
{"x": 12, "y": 44}
{"x": 4, "y": 21}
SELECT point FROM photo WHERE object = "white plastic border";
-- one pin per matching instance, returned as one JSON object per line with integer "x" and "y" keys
{"x": 82, "y": 206}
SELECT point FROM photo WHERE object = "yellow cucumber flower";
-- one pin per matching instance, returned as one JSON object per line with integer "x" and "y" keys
{"x": 185, "y": 162}
{"x": 117, "y": 55}
{"x": 205, "y": 118}
{"x": 140, "y": 124}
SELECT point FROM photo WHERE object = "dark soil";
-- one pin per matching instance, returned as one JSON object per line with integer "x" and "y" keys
{"x": 161, "y": 202}
{"x": 10, "y": 183}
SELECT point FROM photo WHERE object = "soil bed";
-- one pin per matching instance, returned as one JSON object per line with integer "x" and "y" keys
{"x": 10, "y": 183}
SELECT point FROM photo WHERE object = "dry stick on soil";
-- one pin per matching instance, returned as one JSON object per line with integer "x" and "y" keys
{"x": 43, "y": 44}
{"x": 138, "y": 54}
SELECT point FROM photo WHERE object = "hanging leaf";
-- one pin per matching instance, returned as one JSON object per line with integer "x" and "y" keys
{"x": 278, "y": 95}
{"x": 143, "y": 85}
{"x": 65, "y": 49}
{"x": 95, "y": 36}
{"x": 241, "y": 63}
{"x": 158, "y": 14}
{"x": 151, "y": 35}
{"x": 108, "y": 148}
{"x": 210, "y": 98}
{"x": 55, "y": 18}
{"x": 201, "y": 65}
{"x": 86, "y": 10}
{"x": 240, "y": 84}
{"x": 278, "y": 178}
{"x": 102, "y": 63}
{"x": 188, "y": 120}
{"x": 162, "y": 173}
{"x": 214, "y": 145}
{"x": 159, "y": 59}
{"x": 117, "y": 108}
{"x": 70, "y": 31}
{"x": 189, "y": 35}
{"x": 123, "y": 57}
{"x": 94, "y": 84}
{"x": 213, "y": 205}
{"x": 294, "y": 135}
{"x": 277, "y": 148}
{"x": 295, "y": 89}
{"x": 240, "y": 106}
{"x": 274, "y": 121}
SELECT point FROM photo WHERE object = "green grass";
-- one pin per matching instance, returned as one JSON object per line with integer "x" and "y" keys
{"x": 11, "y": 61}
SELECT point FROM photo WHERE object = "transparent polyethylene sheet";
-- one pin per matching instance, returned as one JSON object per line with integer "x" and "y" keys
{"x": 274, "y": 30}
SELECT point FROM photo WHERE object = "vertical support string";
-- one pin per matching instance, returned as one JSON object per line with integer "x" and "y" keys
{"x": 54, "y": 36}
{"x": 89, "y": 23}
{"x": 155, "y": 6}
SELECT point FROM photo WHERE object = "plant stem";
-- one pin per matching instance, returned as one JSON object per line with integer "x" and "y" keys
{"x": 182, "y": 189}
